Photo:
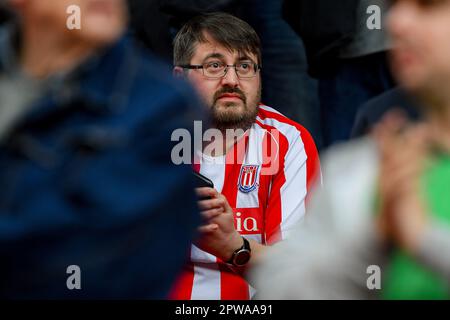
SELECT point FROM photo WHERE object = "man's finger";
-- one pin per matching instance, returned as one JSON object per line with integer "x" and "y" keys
{"x": 206, "y": 192}
{"x": 226, "y": 205}
{"x": 208, "y": 228}
{"x": 211, "y": 204}
{"x": 210, "y": 214}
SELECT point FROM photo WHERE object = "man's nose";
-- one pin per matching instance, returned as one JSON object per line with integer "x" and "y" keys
{"x": 230, "y": 79}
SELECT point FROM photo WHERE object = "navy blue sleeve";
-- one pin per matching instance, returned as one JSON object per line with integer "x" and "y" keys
{"x": 112, "y": 203}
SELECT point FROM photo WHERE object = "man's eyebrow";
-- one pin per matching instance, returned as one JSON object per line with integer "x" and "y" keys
{"x": 221, "y": 56}
{"x": 214, "y": 55}
{"x": 245, "y": 57}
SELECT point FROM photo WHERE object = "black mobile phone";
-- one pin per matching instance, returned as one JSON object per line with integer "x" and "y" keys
{"x": 201, "y": 181}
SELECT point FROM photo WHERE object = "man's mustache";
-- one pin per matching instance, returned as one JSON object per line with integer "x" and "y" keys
{"x": 232, "y": 91}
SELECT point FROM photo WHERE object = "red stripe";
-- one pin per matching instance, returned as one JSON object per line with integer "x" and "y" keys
{"x": 182, "y": 289}
{"x": 313, "y": 161}
{"x": 233, "y": 164}
{"x": 273, "y": 215}
{"x": 264, "y": 182}
{"x": 196, "y": 167}
{"x": 232, "y": 285}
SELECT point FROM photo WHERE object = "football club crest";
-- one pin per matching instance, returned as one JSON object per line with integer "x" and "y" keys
{"x": 248, "y": 178}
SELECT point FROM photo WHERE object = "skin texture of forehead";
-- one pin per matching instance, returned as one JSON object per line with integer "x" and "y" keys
{"x": 217, "y": 47}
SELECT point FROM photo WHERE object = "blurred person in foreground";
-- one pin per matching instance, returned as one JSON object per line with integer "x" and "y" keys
{"x": 85, "y": 142}
{"x": 385, "y": 197}
{"x": 373, "y": 111}
{"x": 262, "y": 164}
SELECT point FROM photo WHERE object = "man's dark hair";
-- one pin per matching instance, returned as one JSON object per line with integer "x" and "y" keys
{"x": 229, "y": 31}
{"x": 5, "y": 14}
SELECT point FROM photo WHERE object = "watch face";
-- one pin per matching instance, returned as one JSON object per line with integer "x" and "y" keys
{"x": 242, "y": 257}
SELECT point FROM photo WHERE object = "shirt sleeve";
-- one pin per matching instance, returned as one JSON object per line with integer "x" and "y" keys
{"x": 291, "y": 186}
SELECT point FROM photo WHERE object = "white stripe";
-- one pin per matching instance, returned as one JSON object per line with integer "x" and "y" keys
{"x": 255, "y": 237}
{"x": 198, "y": 255}
{"x": 207, "y": 276}
{"x": 251, "y": 292}
{"x": 258, "y": 239}
{"x": 206, "y": 282}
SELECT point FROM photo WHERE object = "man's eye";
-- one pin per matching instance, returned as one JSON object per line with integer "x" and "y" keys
{"x": 214, "y": 65}
{"x": 245, "y": 66}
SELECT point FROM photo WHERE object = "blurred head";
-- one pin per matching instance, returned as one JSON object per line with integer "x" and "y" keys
{"x": 420, "y": 31}
{"x": 102, "y": 21}
{"x": 202, "y": 50}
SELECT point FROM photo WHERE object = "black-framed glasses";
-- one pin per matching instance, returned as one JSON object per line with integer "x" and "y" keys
{"x": 217, "y": 70}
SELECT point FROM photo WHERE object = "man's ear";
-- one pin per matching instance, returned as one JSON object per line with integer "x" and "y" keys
{"x": 178, "y": 72}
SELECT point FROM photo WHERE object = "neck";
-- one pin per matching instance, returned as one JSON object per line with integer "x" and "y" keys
{"x": 439, "y": 123}
{"x": 45, "y": 52}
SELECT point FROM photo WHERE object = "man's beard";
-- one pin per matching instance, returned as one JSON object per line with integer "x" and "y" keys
{"x": 231, "y": 120}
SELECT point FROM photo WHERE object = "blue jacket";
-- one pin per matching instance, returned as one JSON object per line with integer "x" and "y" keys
{"x": 86, "y": 179}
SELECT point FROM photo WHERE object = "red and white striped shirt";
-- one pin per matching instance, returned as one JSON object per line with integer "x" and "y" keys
{"x": 267, "y": 199}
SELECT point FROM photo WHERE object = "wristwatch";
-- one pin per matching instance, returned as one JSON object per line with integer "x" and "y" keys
{"x": 242, "y": 255}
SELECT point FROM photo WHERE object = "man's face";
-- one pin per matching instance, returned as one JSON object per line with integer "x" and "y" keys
{"x": 233, "y": 101}
{"x": 420, "y": 30}
{"x": 102, "y": 21}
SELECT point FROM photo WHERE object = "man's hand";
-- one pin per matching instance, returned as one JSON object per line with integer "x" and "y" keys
{"x": 218, "y": 235}
{"x": 403, "y": 150}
